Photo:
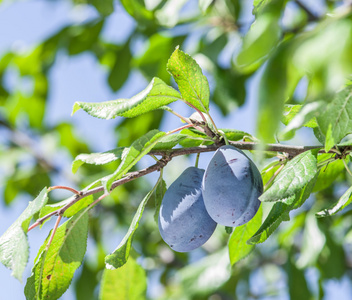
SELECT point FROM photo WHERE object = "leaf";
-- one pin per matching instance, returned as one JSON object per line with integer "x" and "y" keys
{"x": 191, "y": 82}
{"x": 207, "y": 275}
{"x": 14, "y": 246}
{"x": 159, "y": 195}
{"x": 275, "y": 87}
{"x": 71, "y": 211}
{"x": 345, "y": 200}
{"x": 99, "y": 158}
{"x": 291, "y": 111}
{"x": 155, "y": 95}
{"x": 261, "y": 38}
{"x": 329, "y": 173}
{"x": 121, "y": 68}
{"x": 204, "y": 5}
{"x": 292, "y": 178}
{"x": 304, "y": 117}
{"x": 312, "y": 244}
{"x": 169, "y": 141}
{"x": 121, "y": 254}
{"x": 235, "y": 135}
{"x": 297, "y": 283}
{"x": 194, "y": 138}
{"x": 128, "y": 282}
{"x": 336, "y": 120}
{"x": 238, "y": 247}
{"x": 54, "y": 267}
{"x": 280, "y": 212}
{"x": 131, "y": 155}
{"x": 169, "y": 14}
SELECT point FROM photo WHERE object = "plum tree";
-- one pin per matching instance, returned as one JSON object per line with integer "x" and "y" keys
{"x": 231, "y": 187}
{"x": 184, "y": 223}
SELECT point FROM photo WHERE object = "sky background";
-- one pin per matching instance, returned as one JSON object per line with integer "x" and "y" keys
{"x": 81, "y": 78}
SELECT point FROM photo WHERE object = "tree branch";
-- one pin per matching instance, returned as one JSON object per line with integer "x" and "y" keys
{"x": 167, "y": 156}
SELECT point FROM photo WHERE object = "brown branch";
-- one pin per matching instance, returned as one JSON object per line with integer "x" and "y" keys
{"x": 167, "y": 156}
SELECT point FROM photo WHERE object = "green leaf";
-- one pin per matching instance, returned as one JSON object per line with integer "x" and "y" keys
{"x": 54, "y": 267}
{"x": 99, "y": 158}
{"x": 303, "y": 111}
{"x": 328, "y": 174}
{"x": 312, "y": 244}
{"x": 121, "y": 254}
{"x": 131, "y": 155}
{"x": 276, "y": 86}
{"x": 121, "y": 68}
{"x": 204, "y": 5}
{"x": 293, "y": 177}
{"x": 207, "y": 275}
{"x": 280, "y": 212}
{"x": 128, "y": 282}
{"x": 336, "y": 120}
{"x": 159, "y": 195}
{"x": 155, "y": 95}
{"x": 261, "y": 38}
{"x": 191, "y": 82}
{"x": 169, "y": 141}
{"x": 345, "y": 200}
{"x": 194, "y": 138}
{"x": 296, "y": 116}
{"x": 14, "y": 246}
{"x": 71, "y": 211}
{"x": 235, "y": 135}
{"x": 297, "y": 283}
{"x": 238, "y": 247}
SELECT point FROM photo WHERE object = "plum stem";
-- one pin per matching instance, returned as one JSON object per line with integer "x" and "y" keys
{"x": 224, "y": 136}
{"x": 197, "y": 160}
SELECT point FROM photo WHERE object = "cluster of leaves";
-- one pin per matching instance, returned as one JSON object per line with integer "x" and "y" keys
{"x": 292, "y": 55}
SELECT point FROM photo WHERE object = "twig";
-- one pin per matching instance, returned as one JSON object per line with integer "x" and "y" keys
{"x": 167, "y": 156}
{"x": 62, "y": 187}
{"x": 53, "y": 232}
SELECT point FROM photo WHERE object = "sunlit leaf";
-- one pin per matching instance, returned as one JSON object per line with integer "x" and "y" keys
{"x": 261, "y": 37}
{"x": 345, "y": 200}
{"x": 54, "y": 267}
{"x": 99, "y": 158}
{"x": 293, "y": 177}
{"x": 14, "y": 246}
{"x": 296, "y": 116}
{"x": 127, "y": 282}
{"x": 155, "y": 95}
{"x": 169, "y": 141}
{"x": 191, "y": 82}
{"x": 336, "y": 120}
{"x": 206, "y": 275}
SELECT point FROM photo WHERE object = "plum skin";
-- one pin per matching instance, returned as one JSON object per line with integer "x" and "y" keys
{"x": 231, "y": 187}
{"x": 184, "y": 223}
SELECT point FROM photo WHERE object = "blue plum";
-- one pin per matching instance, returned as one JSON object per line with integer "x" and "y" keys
{"x": 231, "y": 187}
{"x": 184, "y": 223}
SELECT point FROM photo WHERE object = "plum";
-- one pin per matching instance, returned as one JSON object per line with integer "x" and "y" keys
{"x": 231, "y": 187}
{"x": 184, "y": 223}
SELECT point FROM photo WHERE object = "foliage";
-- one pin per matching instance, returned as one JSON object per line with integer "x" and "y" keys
{"x": 287, "y": 45}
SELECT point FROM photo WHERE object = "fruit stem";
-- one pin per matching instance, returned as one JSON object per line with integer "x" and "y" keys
{"x": 197, "y": 160}
{"x": 224, "y": 136}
